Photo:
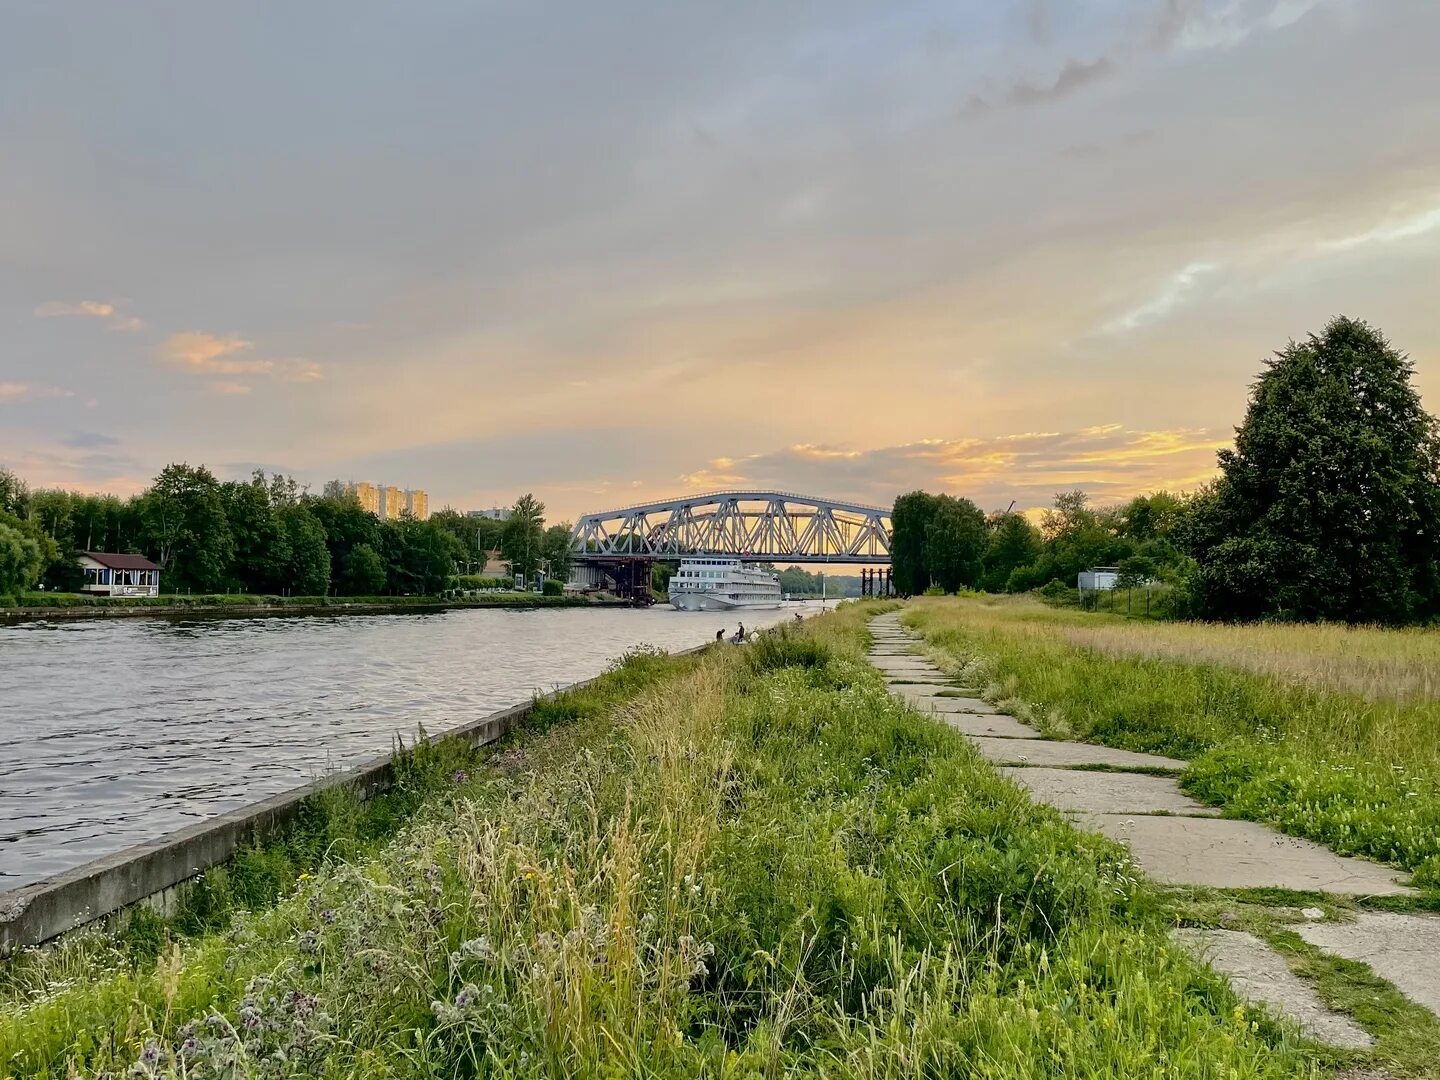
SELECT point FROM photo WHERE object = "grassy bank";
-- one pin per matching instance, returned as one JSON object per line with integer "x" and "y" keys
{"x": 1327, "y": 732}
{"x": 753, "y": 864}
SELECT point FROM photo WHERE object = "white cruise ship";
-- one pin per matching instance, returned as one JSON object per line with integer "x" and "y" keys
{"x": 720, "y": 584}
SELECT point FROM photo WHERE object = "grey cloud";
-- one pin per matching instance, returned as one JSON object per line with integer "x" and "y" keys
{"x": 88, "y": 440}
{"x": 1073, "y": 76}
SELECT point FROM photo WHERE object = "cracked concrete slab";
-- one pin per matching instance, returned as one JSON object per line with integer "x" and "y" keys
{"x": 949, "y": 705}
{"x": 1224, "y": 854}
{"x": 1261, "y": 976}
{"x": 993, "y": 726}
{"x": 1398, "y": 947}
{"x": 1060, "y": 754}
{"x": 1107, "y": 792}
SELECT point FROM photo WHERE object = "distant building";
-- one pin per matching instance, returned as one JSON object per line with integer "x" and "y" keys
{"x": 1098, "y": 578}
{"x": 386, "y": 502}
{"x": 107, "y": 574}
{"x": 495, "y": 513}
{"x": 369, "y": 496}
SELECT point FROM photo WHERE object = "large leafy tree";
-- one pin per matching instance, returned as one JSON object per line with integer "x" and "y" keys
{"x": 308, "y": 572}
{"x": 24, "y": 553}
{"x": 522, "y": 540}
{"x": 955, "y": 541}
{"x": 262, "y": 551}
{"x": 557, "y": 551}
{"x": 364, "y": 572}
{"x": 1328, "y": 507}
{"x": 186, "y": 529}
{"x": 1014, "y": 542}
{"x": 909, "y": 520}
{"x": 349, "y": 526}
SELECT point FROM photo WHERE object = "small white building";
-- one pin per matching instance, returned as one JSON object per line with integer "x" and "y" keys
{"x": 1098, "y": 578}
{"x": 107, "y": 574}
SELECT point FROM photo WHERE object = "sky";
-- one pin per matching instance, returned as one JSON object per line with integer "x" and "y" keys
{"x": 617, "y": 252}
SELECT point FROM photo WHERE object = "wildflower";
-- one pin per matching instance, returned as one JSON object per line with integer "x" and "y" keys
{"x": 460, "y": 776}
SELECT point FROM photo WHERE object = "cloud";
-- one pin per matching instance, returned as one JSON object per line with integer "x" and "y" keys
{"x": 1181, "y": 288}
{"x": 1111, "y": 461}
{"x": 91, "y": 309}
{"x": 17, "y": 391}
{"x": 210, "y": 354}
{"x": 1074, "y": 75}
{"x": 1187, "y": 25}
{"x": 230, "y": 388}
{"x": 1393, "y": 231}
{"x": 201, "y": 351}
{"x": 88, "y": 440}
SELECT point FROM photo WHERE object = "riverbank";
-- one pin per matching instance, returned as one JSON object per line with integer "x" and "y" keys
{"x": 759, "y": 863}
{"x": 38, "y": 606}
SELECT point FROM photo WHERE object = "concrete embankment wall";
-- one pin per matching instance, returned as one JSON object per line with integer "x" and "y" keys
{"x": 151, "y": 872}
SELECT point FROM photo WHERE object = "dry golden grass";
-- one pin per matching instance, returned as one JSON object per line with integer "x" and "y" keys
{"x": 1371, "y": 662}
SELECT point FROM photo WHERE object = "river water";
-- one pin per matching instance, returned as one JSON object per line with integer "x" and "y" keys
{"x": 116, "y": 732}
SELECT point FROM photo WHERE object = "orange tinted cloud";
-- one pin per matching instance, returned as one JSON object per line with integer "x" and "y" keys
{"x": 1110, "y": 461}
{"x": 90, "y": 309}
{"x": 211, "y": 354}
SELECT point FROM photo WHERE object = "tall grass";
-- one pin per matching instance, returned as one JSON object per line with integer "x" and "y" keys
{"x": 762, "y": 866}
{"x": 1326, "y": 732}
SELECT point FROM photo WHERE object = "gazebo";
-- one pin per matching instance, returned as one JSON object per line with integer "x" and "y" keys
{"x": 108, "y": 574}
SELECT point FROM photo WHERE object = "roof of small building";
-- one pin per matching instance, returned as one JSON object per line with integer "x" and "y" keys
{"x": 121, "y": 562}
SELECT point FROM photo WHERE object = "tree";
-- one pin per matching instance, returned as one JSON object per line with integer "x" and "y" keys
{"x": 522, "y": 538}
{"x": 12, "y": 493}
{"x": 1014, "y": 542}
{"x": 348, "y": 525}
{"x": 955, "y": 541}
{"x": 262, "y": 557}
{"x": 1328, "y": 506}
{"x": 909, "y": 521}
{"x": 556, "y": 547}
{"x": 186, "y": 529}
{"x": 364, "y": 572}
{"x": 1136, "y": 572}
{"x": 308, "y": 572}
{"x": 24, "y": 553}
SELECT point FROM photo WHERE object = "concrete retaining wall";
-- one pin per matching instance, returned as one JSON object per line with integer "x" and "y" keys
{"x": 36, "y": 913}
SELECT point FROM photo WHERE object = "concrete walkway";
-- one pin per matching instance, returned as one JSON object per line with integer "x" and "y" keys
{"x": 1135, "y": 799}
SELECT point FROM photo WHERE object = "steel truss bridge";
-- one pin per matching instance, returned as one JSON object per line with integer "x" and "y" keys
{"x": 756, "y": 526}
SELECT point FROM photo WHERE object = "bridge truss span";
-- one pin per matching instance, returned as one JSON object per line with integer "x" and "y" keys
{"x": 758, "y": 526}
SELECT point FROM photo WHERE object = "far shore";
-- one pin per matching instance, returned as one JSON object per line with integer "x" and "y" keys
{"x": 246, "y": 606}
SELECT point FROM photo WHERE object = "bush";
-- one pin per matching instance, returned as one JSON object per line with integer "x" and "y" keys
{"x": 553, "y": 588}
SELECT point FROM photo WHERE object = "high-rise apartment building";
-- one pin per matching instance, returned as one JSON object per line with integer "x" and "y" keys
{"x": 386, "y": 502}
{"x": 369, "y": 496}
{"x": 392, "y": 502}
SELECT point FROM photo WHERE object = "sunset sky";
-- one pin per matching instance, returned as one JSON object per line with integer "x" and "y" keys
{"x": 608, "y": 252}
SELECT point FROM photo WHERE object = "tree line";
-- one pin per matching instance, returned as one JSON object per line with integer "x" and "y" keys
{"x": 1326, "y": 507}
{"x": 265, "y": 536}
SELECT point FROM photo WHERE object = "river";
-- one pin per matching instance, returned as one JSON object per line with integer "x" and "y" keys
{"x": 116, "y": 732}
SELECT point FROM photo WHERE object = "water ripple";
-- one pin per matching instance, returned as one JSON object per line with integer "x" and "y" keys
{"x": 114, "y": 732}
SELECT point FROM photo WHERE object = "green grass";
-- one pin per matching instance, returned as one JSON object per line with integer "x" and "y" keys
{"x": 1323, "y": 744}
{"x": 333, "y": 826}
{"x": 759, "y": 864}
